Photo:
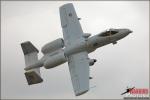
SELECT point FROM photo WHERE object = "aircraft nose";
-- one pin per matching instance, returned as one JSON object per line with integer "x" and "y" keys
{"x": 130, "y": 31}
{"x": 125, "y": 32}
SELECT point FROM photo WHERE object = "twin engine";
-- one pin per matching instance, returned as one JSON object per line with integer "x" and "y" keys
{"x": 54, "y": 54}
{"x": 55, "y": 60}
{"x": 53, "y": 46}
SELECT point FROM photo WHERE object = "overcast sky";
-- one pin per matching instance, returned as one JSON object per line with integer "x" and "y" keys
{"x": 118, "y": 66}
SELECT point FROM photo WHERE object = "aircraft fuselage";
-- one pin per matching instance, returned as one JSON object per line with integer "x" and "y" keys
{"x": 58, "y": 57}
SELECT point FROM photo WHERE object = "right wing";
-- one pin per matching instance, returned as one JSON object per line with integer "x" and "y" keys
{"x": 79, "y": 71}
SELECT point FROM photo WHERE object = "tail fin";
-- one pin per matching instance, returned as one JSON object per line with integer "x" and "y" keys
{"x": 30, "y": 54}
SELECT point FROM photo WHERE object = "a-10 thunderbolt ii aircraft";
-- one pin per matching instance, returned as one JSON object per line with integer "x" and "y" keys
{"x": 74, "y": 49}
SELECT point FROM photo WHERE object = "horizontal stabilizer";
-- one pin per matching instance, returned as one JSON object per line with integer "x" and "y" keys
{"x": 32, "y": 77}
{"x": 28, "y": 47}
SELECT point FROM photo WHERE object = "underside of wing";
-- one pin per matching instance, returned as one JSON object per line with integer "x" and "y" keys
{"x": 79, "y": 71}
{"x": 78, "y": 62}
{"x": 71, "y": 27}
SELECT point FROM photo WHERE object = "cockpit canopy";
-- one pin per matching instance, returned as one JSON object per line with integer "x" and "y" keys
{"x": 108, "y": 32}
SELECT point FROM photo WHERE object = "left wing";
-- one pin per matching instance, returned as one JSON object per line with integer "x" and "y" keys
{"x": 72, "y": 31}
{"x": 79, "y": 71}
{"x": 78, "y": 62}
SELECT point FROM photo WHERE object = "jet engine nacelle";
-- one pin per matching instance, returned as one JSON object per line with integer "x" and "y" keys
{"x": 52, "y": 46}
{"x": 92, "y": 61}
{"x": 55, "y": 60}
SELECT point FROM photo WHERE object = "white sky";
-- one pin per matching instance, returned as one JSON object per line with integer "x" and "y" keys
{"x": 121, "y": 65}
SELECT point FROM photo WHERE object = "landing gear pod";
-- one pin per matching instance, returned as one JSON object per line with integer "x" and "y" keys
{"x": 92, "y": 61}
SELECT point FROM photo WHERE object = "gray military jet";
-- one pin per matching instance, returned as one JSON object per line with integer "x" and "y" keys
{"x": 74, "y": 49}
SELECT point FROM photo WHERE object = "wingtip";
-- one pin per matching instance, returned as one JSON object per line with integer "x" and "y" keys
{"x": 83, "y": 92}
{"x": 67, "y": 4}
